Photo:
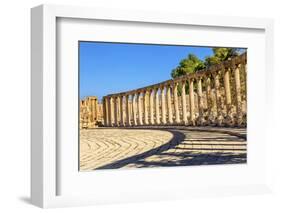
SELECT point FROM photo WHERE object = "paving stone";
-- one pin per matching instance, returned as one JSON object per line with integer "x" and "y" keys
{"x": 112, "y": 148}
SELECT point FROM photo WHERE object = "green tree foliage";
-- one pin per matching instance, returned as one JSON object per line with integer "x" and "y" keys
{"x": 192, "y": 63}
{"x": 221, "y": 54}
{"x": 188, "y": 65}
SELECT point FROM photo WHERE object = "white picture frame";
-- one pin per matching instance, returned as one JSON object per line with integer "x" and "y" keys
{"x": 44, "y": 154}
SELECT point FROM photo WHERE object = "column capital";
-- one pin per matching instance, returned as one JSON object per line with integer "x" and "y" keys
{"x": 190, "y": 80}
{"x": 235, "y": 65}
{"x": 216, "y": 73}
{"x": 183, "y": 80}
{"x": 199, "y": 78}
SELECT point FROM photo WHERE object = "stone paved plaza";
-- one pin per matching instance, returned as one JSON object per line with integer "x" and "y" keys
{"x": 112, "y": 148}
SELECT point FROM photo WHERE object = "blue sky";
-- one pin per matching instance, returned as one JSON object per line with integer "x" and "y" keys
{"x": 107, "y": 68}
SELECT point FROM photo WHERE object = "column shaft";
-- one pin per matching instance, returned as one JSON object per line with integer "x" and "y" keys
{"x": 134, "y": 107}
{"x": 191, "y": 102}
{"x": 92, "y": 112}
{"x": 238, "y": 95}
{"x": 209, "y": 98}
{"x": 112, "y": 116}
{"x": 200, "y": 101}
{"x": 169, "y": 105}
{"x": 140, "y": 109}
{"x": 151, "y": 107}
{"x": 128, "y": 115}
{"x": 227, "y": 90}
{"x": 219, "y": 118}
{"x": 116, "y": 111}
{"x": 176, "y": 103}
{"x": 157, "y": 114}
{"x": 95, "y": 109}
{"x": 145, "y": 108}
{"x": 104, "y": 111}
{"x": 107, "y": 111}
{"x": 163, "y": 105}
{"x": 245, "y": 77}
{"x": 183, "y": 97}
{"x": 120, "y": 102}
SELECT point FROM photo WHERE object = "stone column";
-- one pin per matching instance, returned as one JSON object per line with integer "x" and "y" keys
{"x": 89, "y": 112}
{"x": 118, "y": 102}
{"x": 169, "y": 105}
{"x": 209, "y": 99}
{"x": 163, "y": 105}
{"x": 151, "y": 107}
{"x": 183, "y": 97}
{"x": 104, "y": 111}
{"x": 219, "y": 119}
{"x": 200, "y": 101}
{"x": 229, "y": 117}
{"x": 245, "y": 74}
{"x": 116, "y": 111}
{"x": 238, "y": 95}
{"x": 157, "y": 114}
{"x": 107, "y": 111}
{"x": 92, "y": 111}
{"x": 122, "y": 114}
{"x": 95, "y": 109}
{"x": 124, "y": 118}
{"x": 191, "y": 102}
{"x": 134, "y": 107}
{"x": 227, "y": 90}
{"x": 112, "y": 116}
{"x": 176, "y": 103}
{"x": 128, "y": 115}
{"x": 145, "y": 107}
{"x": 140, "y": 109}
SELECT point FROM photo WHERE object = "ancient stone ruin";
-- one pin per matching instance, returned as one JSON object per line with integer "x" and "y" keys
{"x": 91, "y": 113}
{"x": 215, "y": 96}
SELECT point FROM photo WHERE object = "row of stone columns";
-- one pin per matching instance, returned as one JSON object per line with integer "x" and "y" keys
{"x": 159, "y": 104}
{"x": 148, "y": 107}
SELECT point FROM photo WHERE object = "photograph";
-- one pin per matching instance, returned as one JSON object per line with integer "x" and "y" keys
{"x": 161, "y": 105}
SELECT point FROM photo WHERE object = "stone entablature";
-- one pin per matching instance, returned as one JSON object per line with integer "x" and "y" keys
{"x": 213, "y": 96}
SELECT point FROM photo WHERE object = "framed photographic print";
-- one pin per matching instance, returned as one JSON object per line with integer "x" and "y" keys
{"x": 130, "y": 106}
